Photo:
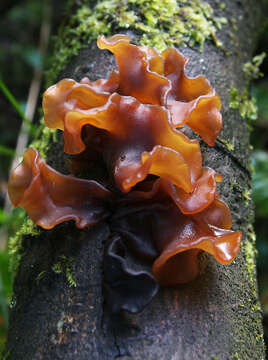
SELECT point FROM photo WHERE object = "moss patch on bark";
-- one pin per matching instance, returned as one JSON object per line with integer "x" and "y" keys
{"x": 158, "y": 23}
{"x": 15, "y": 246}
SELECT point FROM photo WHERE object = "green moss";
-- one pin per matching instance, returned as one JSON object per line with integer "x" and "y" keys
{"x": 248, "y": 107}
{"x": 259, "y": 337}
{"x": 247, "y": 195}
{"x": 236, "y": 356}
{"x": 233, "y": 184}
{"x": 250, "y": 253}
{"x": 252, "y": 68}
{"x": 256, "y": 307}
{"x": 64, "y": 266}
{"x": 234, "y": 98}
{"x": 44, "y": 139}
{"x": 229, "y": 145}
{"x": 162, "y": 24}
{"x": 222, "y": 5}
{"x": 40, "y": 276}
{"x": 244, "y": 101}
{"x": 251, "y": 165}
{"x": 15, "y": 242}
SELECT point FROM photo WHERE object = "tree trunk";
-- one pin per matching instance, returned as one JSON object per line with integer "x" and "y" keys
{"x": 217, "y": 316}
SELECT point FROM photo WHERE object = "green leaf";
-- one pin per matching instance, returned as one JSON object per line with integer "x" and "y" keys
{"x": 4, "y": 150}
{"x": 16, "y": 105}
{"x": 3, "y": 217}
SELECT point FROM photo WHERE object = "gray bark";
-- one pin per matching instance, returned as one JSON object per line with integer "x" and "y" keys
{"x": 215, "y": 317}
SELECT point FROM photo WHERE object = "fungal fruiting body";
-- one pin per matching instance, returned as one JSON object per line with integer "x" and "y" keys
{"x": 161, "y": 203}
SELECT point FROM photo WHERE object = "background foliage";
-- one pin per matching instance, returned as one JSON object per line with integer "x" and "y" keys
{"x": 19, "y": 56}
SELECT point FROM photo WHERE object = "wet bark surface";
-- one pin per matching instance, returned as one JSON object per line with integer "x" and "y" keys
{"x": 216, "y": 316}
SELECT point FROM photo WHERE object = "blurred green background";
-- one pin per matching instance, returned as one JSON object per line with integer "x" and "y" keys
{"x": 23, "y": 56}
{"x": 25, "y": 26}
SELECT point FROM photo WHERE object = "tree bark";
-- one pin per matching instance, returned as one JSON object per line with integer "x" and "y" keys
{"x": 217, "y": 316}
